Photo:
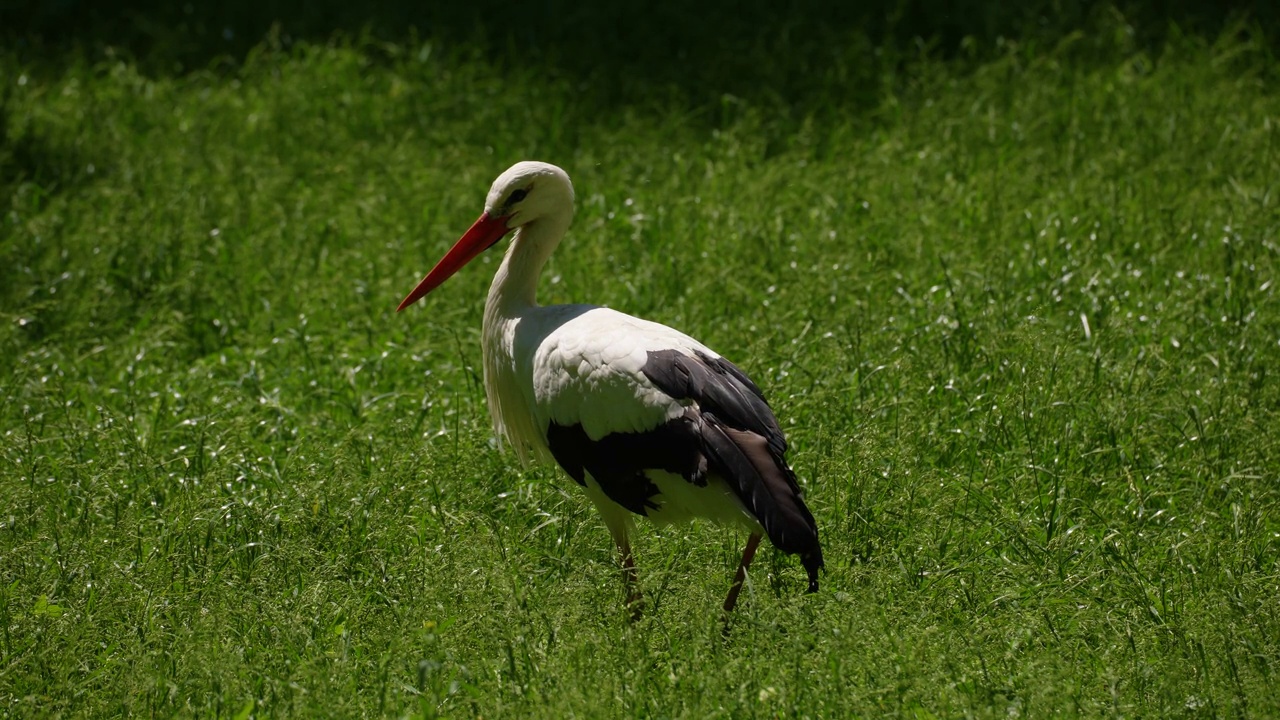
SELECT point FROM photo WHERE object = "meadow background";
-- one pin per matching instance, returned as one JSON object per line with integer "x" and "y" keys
{"x": 1008, "y": 275}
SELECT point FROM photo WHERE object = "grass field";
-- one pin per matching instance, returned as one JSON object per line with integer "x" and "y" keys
{"x": 1014, "y": 301}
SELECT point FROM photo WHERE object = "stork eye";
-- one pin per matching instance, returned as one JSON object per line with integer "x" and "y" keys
{"x": 517, "y": 196}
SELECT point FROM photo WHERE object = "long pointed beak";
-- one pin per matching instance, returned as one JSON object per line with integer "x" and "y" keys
{"x": 486, "y": 231}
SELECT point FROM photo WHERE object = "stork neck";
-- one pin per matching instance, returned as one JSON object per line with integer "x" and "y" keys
{"x": 515, "y": 285}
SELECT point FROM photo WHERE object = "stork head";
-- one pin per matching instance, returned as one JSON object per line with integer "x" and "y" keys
{"x": 527, "y": 192}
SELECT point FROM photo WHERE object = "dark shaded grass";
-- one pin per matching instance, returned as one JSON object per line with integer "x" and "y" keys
{"x": 742, "y": 47}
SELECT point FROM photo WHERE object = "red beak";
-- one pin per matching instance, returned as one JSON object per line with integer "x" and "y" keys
{"x": 484, "y": 233}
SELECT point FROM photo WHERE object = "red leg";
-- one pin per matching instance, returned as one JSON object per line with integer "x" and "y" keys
{"x": 634, "y": 603}
{"x": 747, "y": 554}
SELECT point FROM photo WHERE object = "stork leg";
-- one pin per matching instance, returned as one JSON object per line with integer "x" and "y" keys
{"x": 634, "y": 602}
{"x": 748, "y": 554}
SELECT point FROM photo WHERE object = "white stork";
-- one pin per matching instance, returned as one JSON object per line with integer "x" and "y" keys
{"x": 646, "y": 419}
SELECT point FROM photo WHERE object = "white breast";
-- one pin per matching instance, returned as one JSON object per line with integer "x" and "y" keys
{"x": 575, "y": 364}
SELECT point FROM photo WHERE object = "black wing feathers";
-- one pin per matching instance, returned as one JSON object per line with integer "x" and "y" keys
{"x": 618, "y": 461}
{"x": 728, "y": 430}
{"x": 744, "y": 444}
{"x": 719, "y": 387}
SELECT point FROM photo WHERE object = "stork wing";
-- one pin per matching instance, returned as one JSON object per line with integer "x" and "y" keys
{"x": 744, "y": 445}
{"x": 617, "y": 395}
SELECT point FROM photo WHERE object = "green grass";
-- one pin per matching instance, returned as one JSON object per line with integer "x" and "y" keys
{"x": 1016, "y": 308}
